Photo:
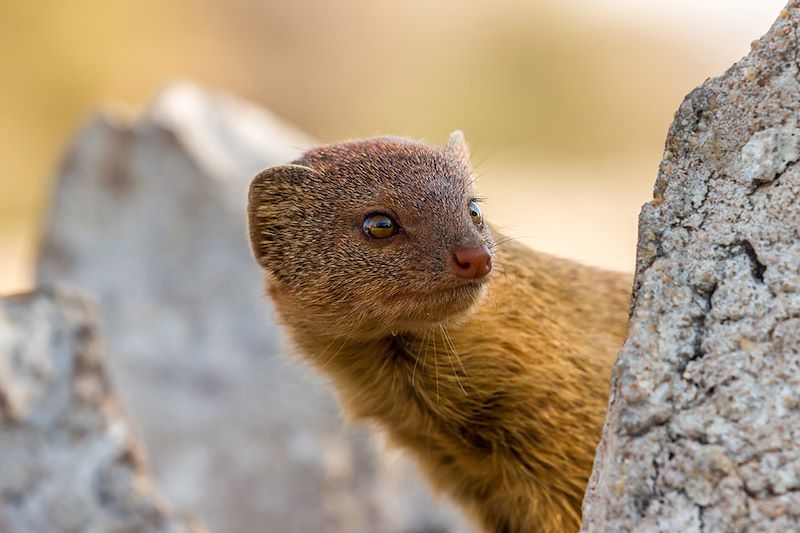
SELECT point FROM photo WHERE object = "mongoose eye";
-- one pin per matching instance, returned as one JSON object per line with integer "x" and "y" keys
{"x": 475, "y": 213}
{"x": 379, "y": 226}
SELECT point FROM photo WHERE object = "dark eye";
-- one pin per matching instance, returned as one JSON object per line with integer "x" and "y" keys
{"x": 379, "y": 226}
{"x": 475, "y": 213}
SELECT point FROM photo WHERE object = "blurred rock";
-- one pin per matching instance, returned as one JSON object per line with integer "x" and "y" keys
{"x": 703, "y": 429}
{"x": 149, "y": 215}
{"x": 68, "y": 460}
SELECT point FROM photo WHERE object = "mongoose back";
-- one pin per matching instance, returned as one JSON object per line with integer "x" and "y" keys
{"x": 487, "y": 361}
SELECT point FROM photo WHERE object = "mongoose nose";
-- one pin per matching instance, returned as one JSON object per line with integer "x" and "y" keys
{"x": 472, "y": 263}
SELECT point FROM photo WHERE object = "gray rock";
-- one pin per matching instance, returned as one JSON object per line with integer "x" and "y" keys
{"x": 150, "y": 216}
{"x": 69, "y": 461}
{"x": 703, "y": 429}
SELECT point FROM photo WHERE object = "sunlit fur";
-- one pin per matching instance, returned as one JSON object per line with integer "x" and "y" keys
{"x": 497, "y": 387}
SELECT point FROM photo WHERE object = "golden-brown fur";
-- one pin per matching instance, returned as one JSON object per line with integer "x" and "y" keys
{"x": 498, "y": 388}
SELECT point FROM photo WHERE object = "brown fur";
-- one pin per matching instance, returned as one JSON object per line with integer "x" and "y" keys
{"x": 498, "y": 388}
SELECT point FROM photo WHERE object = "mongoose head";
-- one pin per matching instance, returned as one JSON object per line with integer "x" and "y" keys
{"x": 371, "y": 236}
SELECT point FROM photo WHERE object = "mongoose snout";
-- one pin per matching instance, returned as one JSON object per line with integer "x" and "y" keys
{"x": 471, "y": 263}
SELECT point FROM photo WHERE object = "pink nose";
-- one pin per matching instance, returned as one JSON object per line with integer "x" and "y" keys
{"x": 472, "y": 263}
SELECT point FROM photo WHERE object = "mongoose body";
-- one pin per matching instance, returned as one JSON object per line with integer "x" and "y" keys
{"x": 487, "y": 361}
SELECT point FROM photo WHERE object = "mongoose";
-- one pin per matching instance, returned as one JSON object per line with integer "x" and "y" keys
{"x": 486, "y": 360}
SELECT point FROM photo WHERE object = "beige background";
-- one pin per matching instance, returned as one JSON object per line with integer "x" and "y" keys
{"x": 566, "y": 103}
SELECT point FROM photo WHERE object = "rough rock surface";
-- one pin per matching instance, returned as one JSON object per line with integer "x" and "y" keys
{"x": 68, "y": 458}
{"x": 703, "y": 432}
{"x": 149, "y": 215}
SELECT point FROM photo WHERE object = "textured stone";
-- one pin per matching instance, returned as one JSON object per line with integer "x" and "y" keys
{"x": 703, "y": 429}
{"x": 69, "y": 460}
{"x": 150, "y": 216}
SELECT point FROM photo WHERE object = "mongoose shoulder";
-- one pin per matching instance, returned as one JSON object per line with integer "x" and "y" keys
{"x": 486, "y": 360}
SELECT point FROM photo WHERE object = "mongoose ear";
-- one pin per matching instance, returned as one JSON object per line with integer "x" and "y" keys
{"x": 457, "y": 146}
{"x": 272, "y": 201}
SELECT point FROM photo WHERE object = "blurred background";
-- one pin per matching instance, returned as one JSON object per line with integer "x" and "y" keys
{"x": 566, "y": 103}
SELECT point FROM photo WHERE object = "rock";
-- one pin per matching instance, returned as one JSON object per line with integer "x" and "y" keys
{"x": 69, "y": 460}
{"x": 149, "y": 215}
{"x": 703, "y": 429}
